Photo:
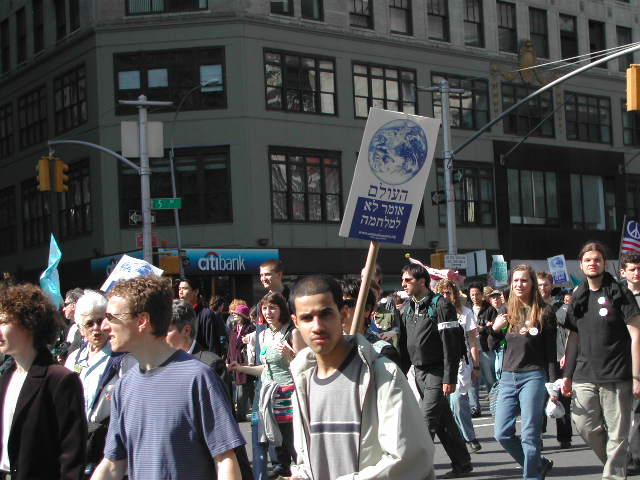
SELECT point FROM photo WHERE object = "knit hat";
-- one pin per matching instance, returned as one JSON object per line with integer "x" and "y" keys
{"x": 242, "y": 310}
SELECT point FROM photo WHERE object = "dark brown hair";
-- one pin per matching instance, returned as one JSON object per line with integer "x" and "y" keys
{"x": 276, "y": 298}
{"x": 593, "y": 247}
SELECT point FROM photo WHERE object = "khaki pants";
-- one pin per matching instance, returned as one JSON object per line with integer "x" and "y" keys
{"x": 602, "y": 414}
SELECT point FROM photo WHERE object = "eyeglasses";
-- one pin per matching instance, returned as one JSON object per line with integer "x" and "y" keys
{"x": 116, "y": 316}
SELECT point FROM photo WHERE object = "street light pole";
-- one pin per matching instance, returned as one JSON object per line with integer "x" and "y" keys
{"x": 447, "y": 154}
{"x": 145, "y": 171}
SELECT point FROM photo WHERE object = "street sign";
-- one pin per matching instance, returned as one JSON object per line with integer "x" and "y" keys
{"x": 166, "y": 203}
{"x": 455, "y": 262}
{"x": 456, "y": 175}
{"x": 135, "y": 217}
{"x": 155, "y": 240}
{"x": 438, "y": 197}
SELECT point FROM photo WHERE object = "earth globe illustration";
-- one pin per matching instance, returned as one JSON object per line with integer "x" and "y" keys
{"x": 397, "y": 151}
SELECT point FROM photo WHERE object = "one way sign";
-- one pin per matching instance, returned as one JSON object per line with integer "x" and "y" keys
{"x": 438, "y": 197}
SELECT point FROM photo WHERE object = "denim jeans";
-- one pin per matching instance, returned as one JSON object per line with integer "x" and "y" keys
{"x": 522, "y": 393}
{"x": 488, "y": 376}
{"x": 259, "y": 455}
{"x": 462, "y": 414}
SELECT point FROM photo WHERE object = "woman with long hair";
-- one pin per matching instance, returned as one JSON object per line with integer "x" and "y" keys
{"x": 243, "y": 385}
{"x": 459, "y": 400}
{"x": 278, "y": 345}
{"x": 529, "y": 360}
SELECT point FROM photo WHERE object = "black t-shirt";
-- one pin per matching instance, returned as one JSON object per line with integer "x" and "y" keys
{"x": 604, "y": 353}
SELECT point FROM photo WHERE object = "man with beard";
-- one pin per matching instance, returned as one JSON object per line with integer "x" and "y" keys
{"x": 604, "y": 369}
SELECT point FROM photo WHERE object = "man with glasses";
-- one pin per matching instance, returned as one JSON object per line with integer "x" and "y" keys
{"x": 170, "y": 417}
{"x": 99, "y": 369}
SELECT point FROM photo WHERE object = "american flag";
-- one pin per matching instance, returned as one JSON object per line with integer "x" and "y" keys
{"x": 630, "y": 236}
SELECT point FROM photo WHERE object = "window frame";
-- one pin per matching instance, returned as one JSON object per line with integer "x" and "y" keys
{"x": 603, "y": 39}
{"x": 539, "y": 38}
{"x": 480, "y": 171}
{"x": 625, "y": 60}
{"x": 531, "y": 121}
{"x": 21, "y": 36}
{"x": 8, "y": 221}
{"x": 361, "y": 14}
{"x": 385, "y": 101}
{"x": 632, "y": 119}
{"x": 79, "y": 179}
{"x": 587, "y": 97}
{"x": 320, "y": 7}
{"x": 33, "y": 130}
{"x": 7, "y": 130}
{"x": 606, "y": 182}
{"x": 287, "y": 12}
{"x": 60, "y": 19}
{"x": 439, "y": 11}
{"x": 456, "y": 81}
{"x": 75, "y": 80}
{"x": 305, "y": 153}
{"x": 569, "y": 37}
{"x": 74, "y": 15}
{"x": 284, "y": 89}
{"x": 38, "y": 26}
{"x": 35, "y": 228}
{"x": 401, "y": 7}
{"x": 5, "y": 47}
{"x": 632, "y": 195}
{"x": 474, "y": 7}
{"x": 547, "y": 219}
{"x": 166, "y": 9}
{"x": 502, "y": 8}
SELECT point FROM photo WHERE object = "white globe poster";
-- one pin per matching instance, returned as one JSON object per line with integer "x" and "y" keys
{"x": 391, "y": 173}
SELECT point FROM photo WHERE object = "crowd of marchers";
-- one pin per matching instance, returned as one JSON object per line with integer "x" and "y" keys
{"x": 150, "y": 381}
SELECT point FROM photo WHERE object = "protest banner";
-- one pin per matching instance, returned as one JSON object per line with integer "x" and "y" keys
{"x": 394, "y": 160}
{"x": 500, "y": 271}
{"x": 129, "y": 267}
{"x": 558, "y": 269}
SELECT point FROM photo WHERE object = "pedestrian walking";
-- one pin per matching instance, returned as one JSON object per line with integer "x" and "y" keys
{"x": 529, "y": 360}
{"x": 243, "y": 384}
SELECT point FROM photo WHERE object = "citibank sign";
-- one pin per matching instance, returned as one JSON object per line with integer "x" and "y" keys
{"x": 203, "y": 261}
{"x": 213, "y": 261}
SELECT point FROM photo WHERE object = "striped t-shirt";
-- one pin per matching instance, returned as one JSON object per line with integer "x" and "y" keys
{"x": 334, "y": 417}
{"x": 170, "y": 422}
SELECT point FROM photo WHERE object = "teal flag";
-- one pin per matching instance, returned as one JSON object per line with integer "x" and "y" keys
{"x": 575, "y": 280}
{"x": 49, "y": 279}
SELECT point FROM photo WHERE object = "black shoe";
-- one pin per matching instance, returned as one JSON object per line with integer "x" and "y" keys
{"x": 474, "y": 446}
{"x": 547, "y": 465}
{"x": 458, "y": 472}
{"x": 633, "y": 470}
{"x": 565, "y": 445}
{"x": 476, "y": 413}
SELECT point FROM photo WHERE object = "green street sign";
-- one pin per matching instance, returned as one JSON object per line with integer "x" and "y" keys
{"x": 166, "y": 203}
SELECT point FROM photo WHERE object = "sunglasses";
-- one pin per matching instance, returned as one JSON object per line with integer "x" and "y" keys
{"x": 116, "y": 316}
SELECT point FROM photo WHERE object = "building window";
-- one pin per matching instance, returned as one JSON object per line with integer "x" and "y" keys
{"x": 526, "y": 117}
{"x": 74, "y": 15}
{"x": 438, "y": 20}
{"x": 32, "y": 117}
{"x": 593, "y": 205}
{"x": 137, "y": 7}
{"x": 597, "y": 40}
{"x": 203, "y": 181}
{"x": 624, "y": 38}
{"x": 61, "y": 19}
{"x": 539, "y": 31}
{"x": 299, "y": 83}
{"x": 305, "y": 185}
{"x": 588, "y": 117}
{"x": 630, "y": 126}
{"x": 473, "y": 192}
{"x": 390, "y": 88}
{"x": 568, "y": 36}
{"x": 36, "y": 215}
{"x": 74, "y": 213}
{"x": 6, "y": 130}
{"x": 8, "y": 223}
{"x": 633, "y": 196}
{"x": 70, "y": 99}
{"x": 5, "y": 47}
{"x": 473, "y": 23}
{"x": 21, "y": 36}
{"x": 172, "y": 75}
{"x": 312, "y": 9}
{"x": 282, "y": 7}
{"x": 361, "y": 14}
{"x": 38, "y": 26}
{"x": 507, "y": 32}
{"x": 468, "y": 110}
{"x": 533, "y": 197}
{"x": 400, "y": 17}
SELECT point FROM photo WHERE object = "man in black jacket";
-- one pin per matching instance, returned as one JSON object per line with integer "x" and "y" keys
{"x": 432, "y": 340}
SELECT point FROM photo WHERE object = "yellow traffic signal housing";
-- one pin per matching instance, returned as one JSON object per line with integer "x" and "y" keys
{"x": 170, "y": 264}
{"x": 633, "y": 87}
{"x": 61, "y": 177}
{"x": 437, "y": 259}
{"x": 43, "y": 174}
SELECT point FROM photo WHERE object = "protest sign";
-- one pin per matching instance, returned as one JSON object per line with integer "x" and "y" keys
{"x": 388, "y": 184}
{"x": 129, "y": 267}
{"x": 500, "y": 271}
{"x": 558, "y": 269}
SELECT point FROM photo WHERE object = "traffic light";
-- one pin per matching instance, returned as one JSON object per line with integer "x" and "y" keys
{"x": 170, "y": 264}
{"x": 633, "y": 87}
{"x": 44, "y": 174}
{"x": 437, "y": 259}
{"x": 61, "y": 177}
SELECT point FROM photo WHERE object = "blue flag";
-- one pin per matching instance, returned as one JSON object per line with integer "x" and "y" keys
{"x": 49, "y": 279}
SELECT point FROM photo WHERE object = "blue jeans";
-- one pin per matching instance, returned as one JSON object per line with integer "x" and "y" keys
{"x": 462, "y": 414}
{"x": 260, "y": 459}
{"x": 522, "y": 394}
{"x": 488, "y": 376}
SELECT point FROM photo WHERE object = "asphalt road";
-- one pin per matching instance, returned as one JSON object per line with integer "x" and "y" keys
{"x": 492, "y": 462}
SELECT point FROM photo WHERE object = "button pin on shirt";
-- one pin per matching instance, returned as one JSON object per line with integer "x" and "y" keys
{"x": 603, "y": 311}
